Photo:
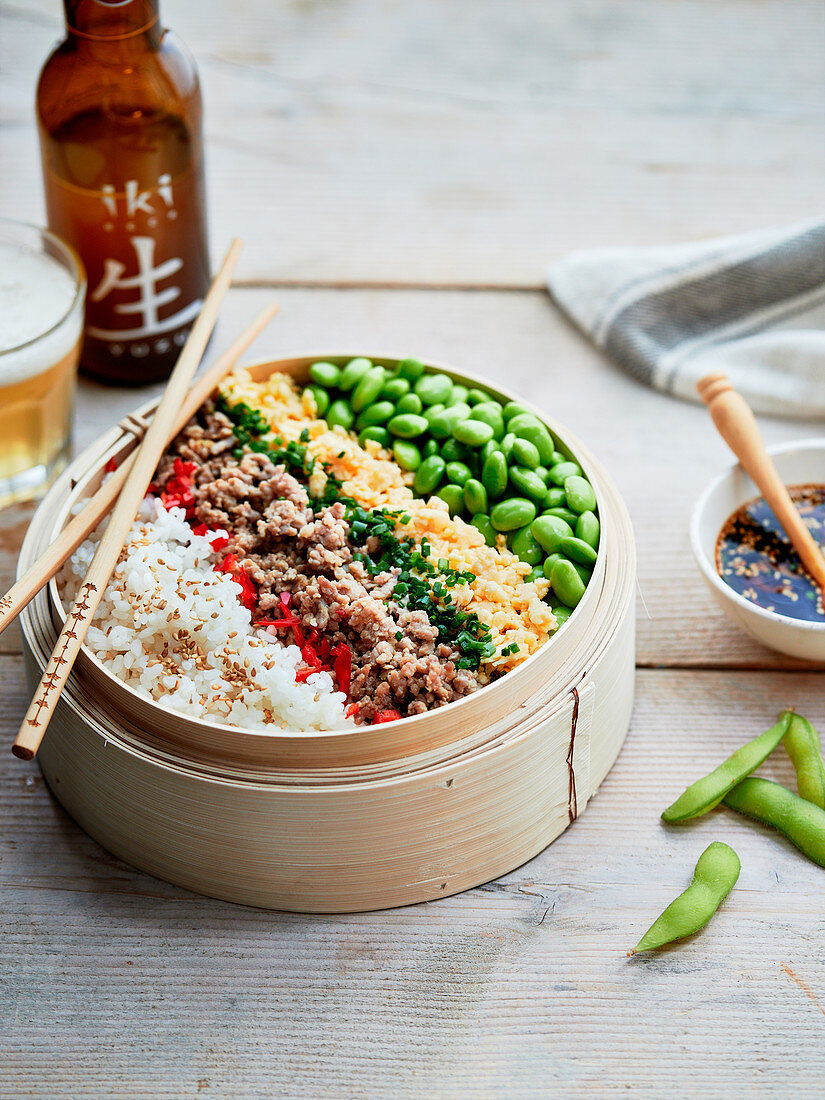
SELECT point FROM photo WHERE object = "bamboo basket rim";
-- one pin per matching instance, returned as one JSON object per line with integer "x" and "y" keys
{"x": 117, "y": 442}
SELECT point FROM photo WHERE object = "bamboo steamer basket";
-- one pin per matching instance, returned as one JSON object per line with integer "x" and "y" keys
{"x": 354, "y": 820}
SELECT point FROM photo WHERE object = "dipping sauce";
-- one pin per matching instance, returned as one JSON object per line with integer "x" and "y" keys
{"x": 755, "y": 557}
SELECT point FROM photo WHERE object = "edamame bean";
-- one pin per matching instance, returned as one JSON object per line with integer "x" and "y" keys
{"x": 459, "y": 394}
{"x": 475, "y": 496}
{"x": 527, "y": 426}
{"x": 579, "y": 494}
{"x": 377, "y": 413}
{"x": 559, "y": 473}
{"x": 429, "y": 474}
{"x": 494, "y": 474}
{"x": 508, "y": 515}
{"x": 549, "y": 562}
{"x": 525, "y": 453}
{"x": 320, "y": 397}
{"x": 453, "y": 497}
{"x": 407, "y": 425}
{"x": 566, "y": 582}
{"x": 441, "y": 426}
{"x": 411, "y": 369}
{"x": 380, "y": 435}
{"x": 434, "y": 389}
{"x": 453, "y": 451}
{"x": 709, "y": 791}
{"x": 432, "y": 412}
{"x": 511, "y": 409}
{"x": 716, "y": 873}
{"x": 482, "y": 522}
{"x": 406, "y": 454}
{"x": 353, "y": 372}
{"x": 549, "y": 532}
{"x": 578, "y": 550}
{"x": 557, "y": 457}
{"x": 474, "y": 433}
{"x": 488, "y": 448}
{"x": 409, "y": 403}
{"x": 368, "y": 388}
{"x": 339, "y": 414}
{"x": 476, "y": 396}
{"x": 325, "y": 374}
{"x": 429, "y": 448}
{"x": 803, "y": 823}
{"x": 534, "y": 575}
{"x": 459, "y": 473}
{"x": 542, "y": 472}
{"x": 805, "y": 750}
{"x": 562, "y": 513}
{"x": 395, "y": 388}
{"x": 524, "y": 546}
{"x": 554, "y": 497}
{"x": 527, "y": 482}
{"x": 506, "y": 444}
{"x": 587, "y": 529}
{"x": 488, "y": 412}
{"x": 561, "y": 614}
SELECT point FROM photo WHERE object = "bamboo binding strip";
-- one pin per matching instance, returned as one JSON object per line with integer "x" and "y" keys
{"x": 365, "y": 819}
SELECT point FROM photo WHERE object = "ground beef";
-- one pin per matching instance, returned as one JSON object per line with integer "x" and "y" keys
{"x": 284, "y": 546}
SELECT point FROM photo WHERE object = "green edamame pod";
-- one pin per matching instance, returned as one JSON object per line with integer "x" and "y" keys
{"x": 380, "y": 435}
{"x": 377, "y": 413}
{"x": 394, "y": 389}
{"x": 524, "y": 546}
{"x": 567, "y": 583}
{"x": 434, "y": 389}
{"x": 527, "y": 482}
{"x": 406, "y": 454}
{"x": 320, "y": 397}
{"x": 549, "y": 532}
{"x": 325, "y": 374}
{"x": 482, "y": 521}
{"x": 475, "y": 433}
{"x": 368, "y": 388}
{"x": 409, "y": 403}
{"x": 489, "y": 412}
{"x": 459, "y": 394}
{"x": 508, "y": 515}
{"x": 475, "y": 496}
{"x": 459, "y": 473}
{"x": 476, "y": 396}
{"x": 562, "y": 471}
{"x": 805, "y": 750}
{"x": 579, "y": 494}
{"x": 709, "y": 791}
{"x": 429, "y": 474}
{"x": 411, "y": 369}
{"x": 353, "y": 372}
{"x": 801, "y": 822}
{"x": 494, "y": 474}
{"x": 716, "y": 873}
{"x": 554, "y": 497}
{"x": 453, "y": 497}
{"x": 339, "y": 414}
{"x": 407, "y": 425}
{"x": 578, "y": 550}
{"x": 587, "y": 529}
{"x": 525, "y": 453}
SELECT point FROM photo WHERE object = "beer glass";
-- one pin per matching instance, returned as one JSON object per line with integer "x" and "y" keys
{"x": 42, "y": 286}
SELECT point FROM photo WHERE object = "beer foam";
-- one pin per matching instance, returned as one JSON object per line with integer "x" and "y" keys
{"x": 36, "y": 294}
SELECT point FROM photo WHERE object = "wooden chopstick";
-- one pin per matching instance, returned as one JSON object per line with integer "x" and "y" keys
{"x": 80, "y": 526}
{"x": 148, "y": 454}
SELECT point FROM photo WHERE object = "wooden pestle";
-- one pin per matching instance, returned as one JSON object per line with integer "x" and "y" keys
{"x": 736, "y": 424}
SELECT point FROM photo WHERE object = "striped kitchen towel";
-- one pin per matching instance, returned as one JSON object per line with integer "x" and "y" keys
{"x": 751, "y": 305}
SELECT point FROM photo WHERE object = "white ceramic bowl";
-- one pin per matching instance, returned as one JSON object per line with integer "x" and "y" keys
{"x": 798, "y": 464}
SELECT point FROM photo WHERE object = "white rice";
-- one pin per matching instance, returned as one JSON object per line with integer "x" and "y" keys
{"x": 175, "y": 631}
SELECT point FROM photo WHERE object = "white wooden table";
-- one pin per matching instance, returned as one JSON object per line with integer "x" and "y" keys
{"x": 402, "y": 174}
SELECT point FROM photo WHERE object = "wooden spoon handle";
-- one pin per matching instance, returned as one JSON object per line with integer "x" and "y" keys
{"x": 737, "y": 425}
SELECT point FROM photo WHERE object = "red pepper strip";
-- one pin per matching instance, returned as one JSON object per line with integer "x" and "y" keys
{"x": 342, "y": 664}
{"x": 352, "y": 709}
{"x": 303, "y": 674}
{"x": 110, "y": 466}
{"x": 385, "y": 716}
{"x": 199, "y": 529}
{"x": 249, "y": 593}
{"x": 280, "y": 623}
{"x": 219, "y": 543}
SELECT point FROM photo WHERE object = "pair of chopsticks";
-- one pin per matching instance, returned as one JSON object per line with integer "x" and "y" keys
{"x": 125, "y": 489}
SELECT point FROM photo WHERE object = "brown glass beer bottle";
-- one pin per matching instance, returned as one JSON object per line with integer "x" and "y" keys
{"x": 119, "y": 115}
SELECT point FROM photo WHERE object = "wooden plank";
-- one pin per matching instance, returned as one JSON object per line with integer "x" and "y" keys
{"x": 114, "y": 981}
{"x": 455, "y": 143}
